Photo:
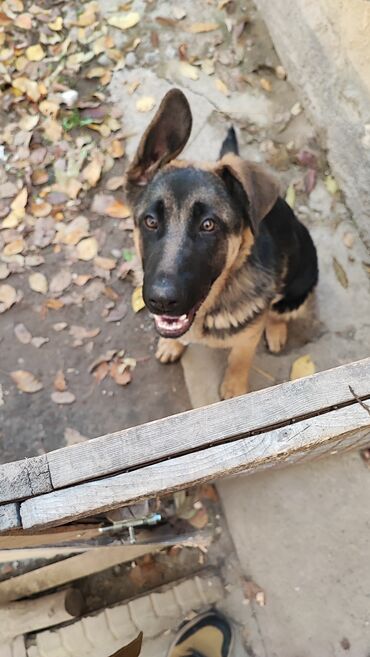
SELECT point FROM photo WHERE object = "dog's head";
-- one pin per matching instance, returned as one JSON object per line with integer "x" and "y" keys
{"x": 189, "y": 218}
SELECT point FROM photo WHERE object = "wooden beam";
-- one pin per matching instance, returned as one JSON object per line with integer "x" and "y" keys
{"x": 9, "y": 517}
{"x": 26, "y": 478}
{"x": 74, "y": 535}
{"x": 70, "y": 569}
{"x": 15, "y": 648}
{"x": 213, "y": 424}
{"x": 19, "y": 618}
{"x": 328, "y": 433}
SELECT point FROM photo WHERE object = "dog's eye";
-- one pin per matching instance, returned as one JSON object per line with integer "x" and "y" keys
{"x": 208, "y": 225}
{"x": 151, "y": 222}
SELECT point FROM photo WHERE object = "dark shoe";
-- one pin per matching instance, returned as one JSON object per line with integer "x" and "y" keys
{"x": 207, "y": 635}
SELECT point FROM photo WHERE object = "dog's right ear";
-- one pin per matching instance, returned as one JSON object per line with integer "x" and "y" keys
{"x": 164, "y": 138}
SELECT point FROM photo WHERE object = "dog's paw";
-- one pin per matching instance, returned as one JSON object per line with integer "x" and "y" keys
{"x": 168, "y": 350}
{"x": 276, "y": 336}
{"x": 233, "y": 387}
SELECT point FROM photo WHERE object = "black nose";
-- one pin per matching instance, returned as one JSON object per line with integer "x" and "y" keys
{"x": 163, "y": 297}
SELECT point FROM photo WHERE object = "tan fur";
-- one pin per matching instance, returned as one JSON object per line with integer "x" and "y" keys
{"x": 236, "y": 378}
{"x": 169, "y": 350}
{"x": 276, "y": 332}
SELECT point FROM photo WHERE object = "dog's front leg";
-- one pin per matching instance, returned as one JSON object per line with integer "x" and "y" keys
{"x": 236, "y": 379}
{"x": 169, "y": 350}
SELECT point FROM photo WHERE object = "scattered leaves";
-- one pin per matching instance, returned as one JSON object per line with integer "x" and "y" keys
{"x": 198, "y": 28}
{"x": 35, "y": 53}
{"x": 87, "y": 249}
{"x": 26, "y": 381}
{"x": 189, "y": 71}
{"x": 145, "y": 104}
{"x": 8, "y": 297}
{"x": 302, "y": 366}
{"x": 60, "y": 383}
{"x": 340, "y": 273}
{"x": 124, "y": 21}
{"x": 290, "y": 196}
{"x": 22, "y": 334}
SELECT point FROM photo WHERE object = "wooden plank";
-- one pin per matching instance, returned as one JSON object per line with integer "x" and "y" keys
{"x": 332, "y": 431}
{"x": 16, "y": 648}
{"x": 26, "y": 478}
{"x": 26, "y": 616}
{"x": 73, "y": 534}
{"x": 9, "y": 517}
{"x": 68, "y": 570}
{"x": 213, "y": 424}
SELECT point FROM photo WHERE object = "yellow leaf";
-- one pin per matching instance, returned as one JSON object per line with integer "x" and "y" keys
{"x": 14, "y": 247}
{"x": 137, "y": 301}
{"x": 29, "y": 87}
{"x": 124, "y": 21}
{"x": 26, "y": 381}
{"x": 11, "y": 221}
{"x": 38, "y": 283}
{"x": 52, "y": 129}
{"x": 88, "y": 16}
{"x": 197, "y": 28}
{"x": 35, "y": 53}
{"x": 290, "y": 196}
{"x": 87, "y": 249}
{"x": 8, "y": 297}
{"x": 221, "y": 86}
{"x": 145, "y": 104}
{"x": 19, "y": 203}
{"x": 331, "y": 185}
{"x": 116, "y": 148}
{"x": 265, "y": 84}
{"x": 28, "y": 122}
{"x": 303, "y": 366}
{"x": 92, "y": 171}
{"x": 188, "y": 71}
{"x": 340, "y": 273}
{"x": 56, "y": 25}
{"x": 102, "y": 128}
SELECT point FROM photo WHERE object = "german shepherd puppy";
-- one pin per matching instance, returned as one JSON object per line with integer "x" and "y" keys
{"x": 224, "y": 256}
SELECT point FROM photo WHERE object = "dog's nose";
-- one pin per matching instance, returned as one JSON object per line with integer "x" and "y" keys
{"x": 163, "y": 297}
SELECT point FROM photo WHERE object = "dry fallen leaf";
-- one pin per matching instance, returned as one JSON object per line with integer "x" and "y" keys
{"x": 26, "y": 381}
{"x": 188, "y": 71}
{"x": 29, "y": 121}
{"x": 35, "y": 53}
{"x": 221, "y": 86}
{"x": 65, "y": 397}
{"x": 60, "y": 281}
{"x": 8, "y": 297}
{"x": 117, "y": 313}
{"x": 340, "y": 273}
{"x": 120, "y": 373}
{"x": 252, "y": 592}
{"x": 331, "y": 185}
{"x": 118, "y": 210}
{"x": 93, "y": 170}
{"x": 60, "y": 383}
{"x": 80, "y": 333}
{"x": 124, "y": 21}
{"x": 39, "y": 341}
{"x": 197, "y": 28}
{"x": 137, "y": 301}
{"x": 199, "y": 520}
{"x": 87, "y": 249}
{"x": 265, "y": 84}
{"x": 59, "y": 326}
{"x": 302, "y": 366}
{"x": 105, "y": 263}
{"x": 38, "y": 283}
{"x": 15, "y": 247}
{"x": 145, "y": 104}
{"x": 22, "y": 334}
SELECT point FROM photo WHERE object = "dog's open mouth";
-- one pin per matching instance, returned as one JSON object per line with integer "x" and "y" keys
{"x": 173, "y": 327}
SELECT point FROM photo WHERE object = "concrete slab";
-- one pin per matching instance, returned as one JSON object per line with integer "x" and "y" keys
{"x": 303, "y": 535}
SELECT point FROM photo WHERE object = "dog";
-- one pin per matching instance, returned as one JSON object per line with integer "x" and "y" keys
{"x": 224, "y": 257}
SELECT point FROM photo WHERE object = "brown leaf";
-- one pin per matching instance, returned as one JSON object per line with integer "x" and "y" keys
{"x": 118, "y": 210}
{"x": 26, "y": 381}
{"x": 114, "y": 183}
{"x": 15, "y": 247}
{"x": 65, "y": 397}
{"x": 197, "y": 28}
{"x": 60, "y": 383}
{"x": 92, "y": 172}
{"x": 340, "y": 273}
{"x": 254, "y": 592}
{"x": 101, "y": 371}
{"x": 120, "y": 373}
{"x": 80, "y": 333}
{"x": 117, "y": 313}
{"x": 105, "y": 263}
{"x": 22, "y": 334}
{"x": 104, "y": 358}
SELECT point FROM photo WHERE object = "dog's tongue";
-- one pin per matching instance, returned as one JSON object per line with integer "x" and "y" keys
{"x": 168, "y": 324}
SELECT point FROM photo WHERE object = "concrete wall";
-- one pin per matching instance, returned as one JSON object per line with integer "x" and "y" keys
{"x": 325, "y": 47}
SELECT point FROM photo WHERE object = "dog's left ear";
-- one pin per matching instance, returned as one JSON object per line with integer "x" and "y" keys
{"x": 164, "y": 138}
{"x": 248, "y": 179}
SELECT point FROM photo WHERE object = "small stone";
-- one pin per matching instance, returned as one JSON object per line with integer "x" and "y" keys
{"x": 130, "y": 60}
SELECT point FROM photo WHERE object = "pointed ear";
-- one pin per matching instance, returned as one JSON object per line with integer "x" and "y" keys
{"x": 164, "y": 138}
{"x": 259, "y": 187}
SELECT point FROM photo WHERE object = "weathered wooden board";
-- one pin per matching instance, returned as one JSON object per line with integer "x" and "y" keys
{"x": 9, "y": 517}
{"x": 26, "y": 616}
{"x": 75, "y": 534}
{"x": 25, "y": 478}
{"x": 15, "y": 648}
{"x": 70, "y": 569}
{"x": 213, "y": 424}
{"x": 323, "y": 434}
